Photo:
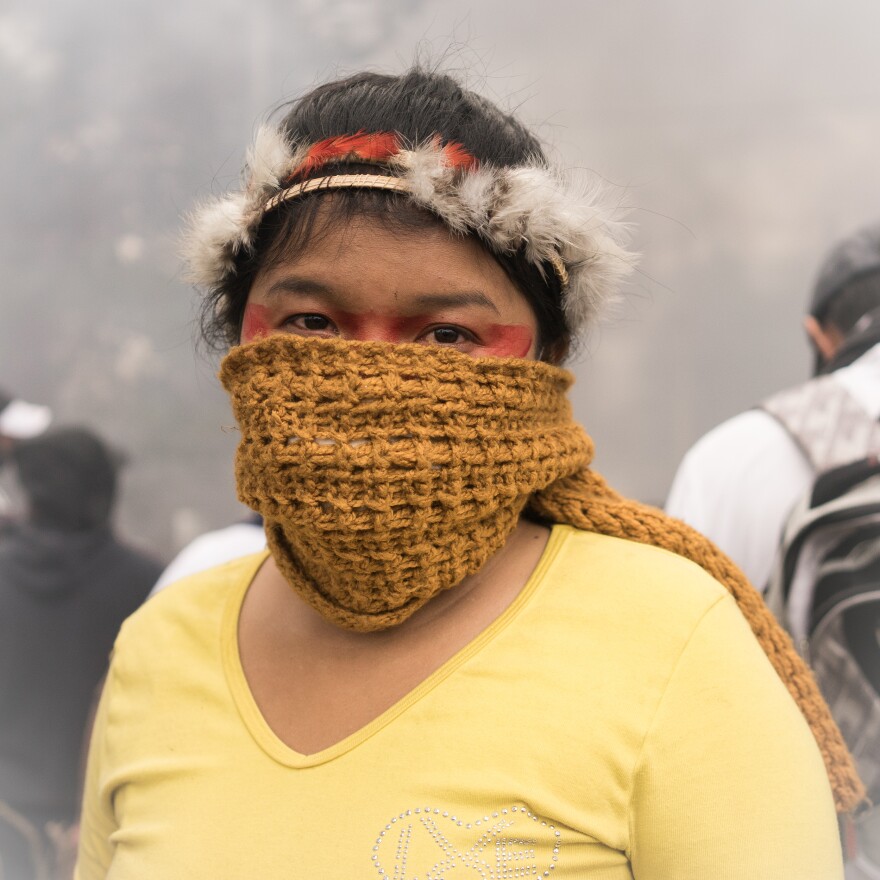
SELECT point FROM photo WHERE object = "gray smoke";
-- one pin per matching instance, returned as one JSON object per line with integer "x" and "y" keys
{"x": 744, "y": 138}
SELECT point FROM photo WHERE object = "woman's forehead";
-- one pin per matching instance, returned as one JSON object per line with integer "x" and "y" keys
{"x": 414, "y": 263}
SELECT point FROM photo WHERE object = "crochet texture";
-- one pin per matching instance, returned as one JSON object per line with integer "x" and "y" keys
{"x": 384, "y": 473}
{"x": 388, "y": 473}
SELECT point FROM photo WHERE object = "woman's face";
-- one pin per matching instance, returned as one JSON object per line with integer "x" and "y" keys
{"x": 362, "y": 281}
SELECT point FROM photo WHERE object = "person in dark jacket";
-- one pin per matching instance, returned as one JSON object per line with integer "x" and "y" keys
{"x": 66, "y": 585}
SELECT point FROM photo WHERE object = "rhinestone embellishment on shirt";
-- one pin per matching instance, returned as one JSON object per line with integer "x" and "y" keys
{"x": 427, "y": 843}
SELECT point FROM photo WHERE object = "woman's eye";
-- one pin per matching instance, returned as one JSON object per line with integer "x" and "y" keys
{"x": 447, "y": 336}
{"x": 313, "y": 323}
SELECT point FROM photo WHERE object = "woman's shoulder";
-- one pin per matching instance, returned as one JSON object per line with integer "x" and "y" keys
{"x": 189, "y": 611}
{"x": 627, "y": 572}
{"x": 619, "y": 605}
{"x": 617, "y": 610}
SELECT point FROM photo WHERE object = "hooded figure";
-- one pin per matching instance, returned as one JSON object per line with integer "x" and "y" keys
{"x": 66, "y": 584}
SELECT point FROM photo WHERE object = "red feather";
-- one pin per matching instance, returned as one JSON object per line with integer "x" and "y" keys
{"x": 367, "y": 147}
{"x": 375, "y": 147}
{"x": 457, "y": 156}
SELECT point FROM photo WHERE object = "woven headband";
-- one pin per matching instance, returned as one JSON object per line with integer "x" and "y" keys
{"x": 552, "y": 220}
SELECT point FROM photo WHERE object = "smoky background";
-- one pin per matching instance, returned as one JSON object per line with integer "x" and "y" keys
{"x": 742, "y": 137}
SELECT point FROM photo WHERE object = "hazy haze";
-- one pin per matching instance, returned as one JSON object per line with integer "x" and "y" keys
{"x": 743, "y": 136}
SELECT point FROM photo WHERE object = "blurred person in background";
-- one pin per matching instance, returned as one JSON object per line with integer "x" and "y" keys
{"x": 738, "y": 483}
{"x": 462, "y": 652}
{"x": 755, "y": 478}
{"x": 66, "y": 584}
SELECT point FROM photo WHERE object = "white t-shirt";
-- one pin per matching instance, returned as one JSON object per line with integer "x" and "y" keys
{"x": 213, "y": 548}
{"x": 738, "y": 483}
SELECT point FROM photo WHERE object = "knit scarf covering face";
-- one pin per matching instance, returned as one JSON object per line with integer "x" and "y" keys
{"x": 389, "y": 473}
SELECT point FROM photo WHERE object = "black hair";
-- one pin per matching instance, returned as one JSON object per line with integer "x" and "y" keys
{"x": 69, "y": 478}
{"x": 417, "y": 105}
{"x": 854, "y": 300}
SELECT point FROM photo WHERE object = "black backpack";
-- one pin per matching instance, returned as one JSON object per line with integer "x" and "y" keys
{"x": 825, "y": 588}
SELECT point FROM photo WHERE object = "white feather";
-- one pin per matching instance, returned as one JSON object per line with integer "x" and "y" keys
{"x": 268, "y": 160}
{"x": 531, "y": 207}
{"x": 213, "y": 236}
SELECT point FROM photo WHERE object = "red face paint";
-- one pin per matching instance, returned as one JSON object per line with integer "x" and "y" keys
{"x": 507, "y": 340}
{"x": 376, "y": 327}
{"x": 495, "y": 340}
{"x": 256, "y": 322}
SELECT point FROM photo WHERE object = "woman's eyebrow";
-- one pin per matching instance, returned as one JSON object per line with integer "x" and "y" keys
{"x": 424, "y": 302}
{"x": 450, "y": 300}
{"x": 292, "y": 284}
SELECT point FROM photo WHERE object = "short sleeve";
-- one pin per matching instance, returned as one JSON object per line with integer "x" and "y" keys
{"x": 97, "y": 822}
{"x": 730, "y": 783}
{"x": 737, "y": 485}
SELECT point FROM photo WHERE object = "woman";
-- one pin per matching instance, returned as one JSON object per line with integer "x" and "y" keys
{"x": 447, "y": 665}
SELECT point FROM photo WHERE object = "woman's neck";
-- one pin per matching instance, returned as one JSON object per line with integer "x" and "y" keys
{"x": 316, "y": 683}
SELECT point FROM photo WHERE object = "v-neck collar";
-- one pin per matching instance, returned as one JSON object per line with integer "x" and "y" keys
{"x": 279, "y": 751}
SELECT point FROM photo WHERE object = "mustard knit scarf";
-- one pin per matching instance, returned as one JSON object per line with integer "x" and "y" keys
{"x": 356, "y": 441}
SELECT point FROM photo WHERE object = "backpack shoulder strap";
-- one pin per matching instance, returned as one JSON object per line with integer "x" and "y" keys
{"x": 826, "y": 421}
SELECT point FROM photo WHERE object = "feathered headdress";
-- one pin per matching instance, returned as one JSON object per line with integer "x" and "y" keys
{"x": 555, "y": 221}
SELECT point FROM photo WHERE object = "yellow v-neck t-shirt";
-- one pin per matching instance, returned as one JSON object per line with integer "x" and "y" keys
{"x": 617, "y": 721}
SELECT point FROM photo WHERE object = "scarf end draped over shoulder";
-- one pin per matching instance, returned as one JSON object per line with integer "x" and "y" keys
{"x": 584, "y": 500}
